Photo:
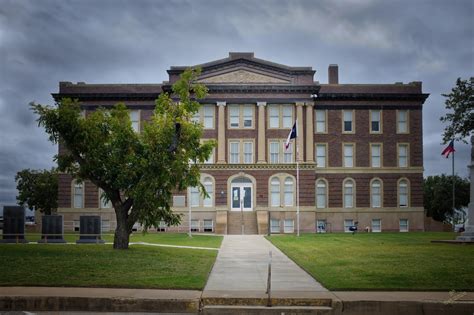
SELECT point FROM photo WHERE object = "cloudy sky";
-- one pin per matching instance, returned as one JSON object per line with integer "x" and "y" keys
{"x": 43, "y": 42}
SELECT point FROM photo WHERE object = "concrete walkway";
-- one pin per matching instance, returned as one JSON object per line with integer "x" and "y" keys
{"x": 242, "y": 266}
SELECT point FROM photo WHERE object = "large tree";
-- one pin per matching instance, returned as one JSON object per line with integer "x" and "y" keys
{"x": 460, "y": 106}
{"x": 38, "y": 189}
{"x": 438, "y": 198}
{"x": 137, "y": 171}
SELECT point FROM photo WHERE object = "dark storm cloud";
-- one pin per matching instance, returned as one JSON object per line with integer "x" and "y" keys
{"x": 44, "y": 42}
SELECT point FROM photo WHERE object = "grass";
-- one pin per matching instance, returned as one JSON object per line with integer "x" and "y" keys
{"x": 156, "y": 238}
{"x": 384, "y": 261}
{"x": 101, "y": 266}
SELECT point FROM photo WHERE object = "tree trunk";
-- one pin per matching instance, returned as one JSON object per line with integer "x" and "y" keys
{"x": 122, "y": 232}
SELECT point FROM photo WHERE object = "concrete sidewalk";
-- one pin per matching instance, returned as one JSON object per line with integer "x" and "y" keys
{"x": 241, "y": 267}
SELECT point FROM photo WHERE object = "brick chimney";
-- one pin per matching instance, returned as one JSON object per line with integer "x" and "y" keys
{"x": 333, "y": 74}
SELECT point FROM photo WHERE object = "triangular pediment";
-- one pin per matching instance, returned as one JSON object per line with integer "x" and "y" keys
{"x": 243, "y": 76}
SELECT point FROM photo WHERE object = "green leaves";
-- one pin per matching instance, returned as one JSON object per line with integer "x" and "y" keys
{"x": 460, "y": 103}
{"x": 38, "y": 189}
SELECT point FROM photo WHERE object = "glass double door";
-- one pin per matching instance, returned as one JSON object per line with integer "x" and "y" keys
{"x": 242, "y": 197}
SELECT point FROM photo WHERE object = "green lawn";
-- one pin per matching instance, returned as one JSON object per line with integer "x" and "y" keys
{"x": 101, "y": 266}
{"x": 156, "y": 238}
{"x": 383, "y": 261}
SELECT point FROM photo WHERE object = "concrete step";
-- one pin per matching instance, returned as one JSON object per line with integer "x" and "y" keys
{"x": 263, "y": 310}
{"x": 263, "y": 301}
{"x": 234, "y": 222}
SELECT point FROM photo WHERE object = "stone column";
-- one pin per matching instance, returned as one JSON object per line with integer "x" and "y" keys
{"x": 221, "y": 133}
{"x": 309, "y": 132}
{"x": 300, "y": 136}
{"x": 261, "y": 132}
{"x": 468, "y": 234}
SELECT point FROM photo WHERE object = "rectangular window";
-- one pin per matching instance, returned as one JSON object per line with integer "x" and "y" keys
{"x": 403, "y": 225}
{"x": 78, "y": 195}
{"x": 287, "y": 153}
{"x": 194, "y": 196}
{"x": 288, "y": 226}
{"x": 321, "y": 155}
{"x": 347, "y": 225}
{"x": 403, "y": 155}
{"x": 208, "y": 113}
{"x": 320, "y": 120}
{"x": 248, "y": 152}
{"x": 321, "y": 226}
{"x": 275, "y": 192}
{"x": 402, "y": 121}
{"x": 195, "y": 225}
{"x": 274, "y": 113}
{"x": 179, "y": 201}
{"x": 275, "y": 152}
{"x": 288, "y": 193}
{"x": 161, "y": 226}
{"x": 375, "y": 121}
{"x": 135, "y": 119}
{"x": 375, "y": 155}
{"x": 376, "y": 225}
{"x": 207, "y": 201}
{"x": 208, "y": 226}
{"x": 348, "y": 121}
{"x": 321, "y": 195}
{"x": 247, "y": 116}
{"x": 287, "y": 113}
{"x": 376, "y": 194}
{"x": 348, "y": 195}
{"x": 274, "y": 226}
{"x": 234, "y": 116}
{"x": 348, "y": 155}
{"x": 403, "y": 194}
{"x": 105, "y": 225}
{"x": 234, "y": 152}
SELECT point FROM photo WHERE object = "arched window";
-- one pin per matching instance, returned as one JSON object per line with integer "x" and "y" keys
{"x": 207, "y": 202}
{"x": 403, "y": 188}
{"x": 349, "y": 193}
{"x": 376, "y": 193}
{"x": 288, "y": 191}
{"x": 275, "y": 192}
{"x": 78, "y": 194}
{"x": 321, "y": 194}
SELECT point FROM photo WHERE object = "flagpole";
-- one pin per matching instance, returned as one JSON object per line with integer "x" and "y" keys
{"x": 189, "y": 206}
{"x": 297, "y": 183}
{"x": 454, "y": 225}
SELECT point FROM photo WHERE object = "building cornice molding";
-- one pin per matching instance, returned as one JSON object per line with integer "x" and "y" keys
{"x": 372, "y": 96}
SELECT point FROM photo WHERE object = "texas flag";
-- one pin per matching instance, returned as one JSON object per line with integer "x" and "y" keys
{"x": 449, "y": 149}
{"x": 292, "y": 135}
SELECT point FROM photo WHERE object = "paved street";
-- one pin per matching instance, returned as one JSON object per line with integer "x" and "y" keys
{"x": 242, "y": 265}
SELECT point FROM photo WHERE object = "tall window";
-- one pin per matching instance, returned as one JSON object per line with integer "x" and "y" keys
{"x": 402, "y": 121}
{"x": 403, "y": 225}
{"x": 78, "y": 194}
{"x": 376, "y": 193}
{"x": 275, "y": 192}
{"x": 275, "y": 226}
{"x": 375, "y": 121}
{"x": 280, "y": 116}
{"x": 320, "y": 117}
{"x": 348, "y": 193}
{"x": 102, "y": 202}
{"x": 348, "y": 121}
{"x": 208, "y": 119}
{"x": 207, "y": 201}
{"x": 135, "y": 119}
{"x": 289, "y": 187}
{"x": 403, "y": 193}
{"x": 234, "y": 152}
{"x": 278, "y": 153}
{"x": 348, "y": 155}
{"x": 282, "y": 191}
{"x": 241, "y": 151}
{"x": 320, "y": 155}
{"x": 241, "y": 116}
{"x": 321, "y": 194}
{"x": 375, "y": 155}
{"x": 403, "y": 155}
{"x": 194, "y": 196}
{"x": 376, "y": 225}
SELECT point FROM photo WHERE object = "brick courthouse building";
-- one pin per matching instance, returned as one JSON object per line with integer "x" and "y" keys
{"x": 360, "y": 150}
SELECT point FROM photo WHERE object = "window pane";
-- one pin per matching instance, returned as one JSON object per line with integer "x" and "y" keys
{"x": 234, "y": 116}
{"x": 320, "y": 121}
{"x": 375, "y": 155}
{"x": 248, "y": 152}
{"x": 274, "y": 152}
{"x": 321, "y": 194}
{"x": 347, "y": 120}
{"x": 376, "y": 225}
{"x": 234, "y": 152}
{"x": 321, "y": 155}
{"x": 207, "y": 202}
{"x": 248, "y": 116}
{"x": 403, "y": 193}
{"x": 376, "y": 194}
{"x": 78, "y": 195}
{"x": 402, "y": 121}
{"x": 210, "y": 160}
{"x": 288, "y": 154}
{"x": 275, "y": 226}
{"x": 288, "y": 226}
{"x": 208, "y": 116}
{"x": 135, "y": 119}
{"x": 194, "y": 197}
{"x": 347, "y": 225}
{"x": 348, "y": 194}
{"x": 375, "y": 120}
{"x": 274, "y": 116}
{"x": 348, "y": 155}
{"x": 275, "y": 192}
{"x": 287, "y": 116}
{"x": 321, "y": 226}
{"x": 403, "y": 225}
{"x": 288, "y": 191}
{"x": 402, "y": 155}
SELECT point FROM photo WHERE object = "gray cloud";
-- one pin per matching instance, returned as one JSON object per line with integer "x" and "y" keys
{"x": 44, "y": 42}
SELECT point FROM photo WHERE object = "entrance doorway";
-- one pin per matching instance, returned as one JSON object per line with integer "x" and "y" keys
{"x": 241, "y": 194}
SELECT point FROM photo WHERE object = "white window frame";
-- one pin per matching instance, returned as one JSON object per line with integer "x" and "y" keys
{"x": 373, "y": 195}
{"x": 284, "y": 156}
{"x": 286, "y": 197}
{"x": 78, "y": 199}
{"x": 348, "y": 160}
{"x": 275, "y": 192}
{"x": 234, "y": 157}
{"x": 372, "y": 120}
{"x": 403, "y": 161}
{"x": 135, "y": 121}
{"x": 195, "y": 226}
{"x": 321, "y": 160}
{"x": 320, "y": 121}
{"x": 406, "y": 121}
{"x": 241, "y": 110}
{"x": 321, "y": 226}
{"x": 321, "y": 184}
{"x": 288, "y": 226}
{"x": 403, "y": 183}
{"x": 374, "y": 158}
{"x": 274, "y": 226}
{"x": 350, "y": 183}
{"x": 401, "y": 227}
{"x": 281, "y": 111}
{"x": 103, "y": 205}
{"x": 196, "y": 199}
{"x": 241, "y": 154}
{"x": 374, "y": 227}
{"x": 206, "y": 227}
{"x": 352, "y": 120}
{"x": 348, "y": 223}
